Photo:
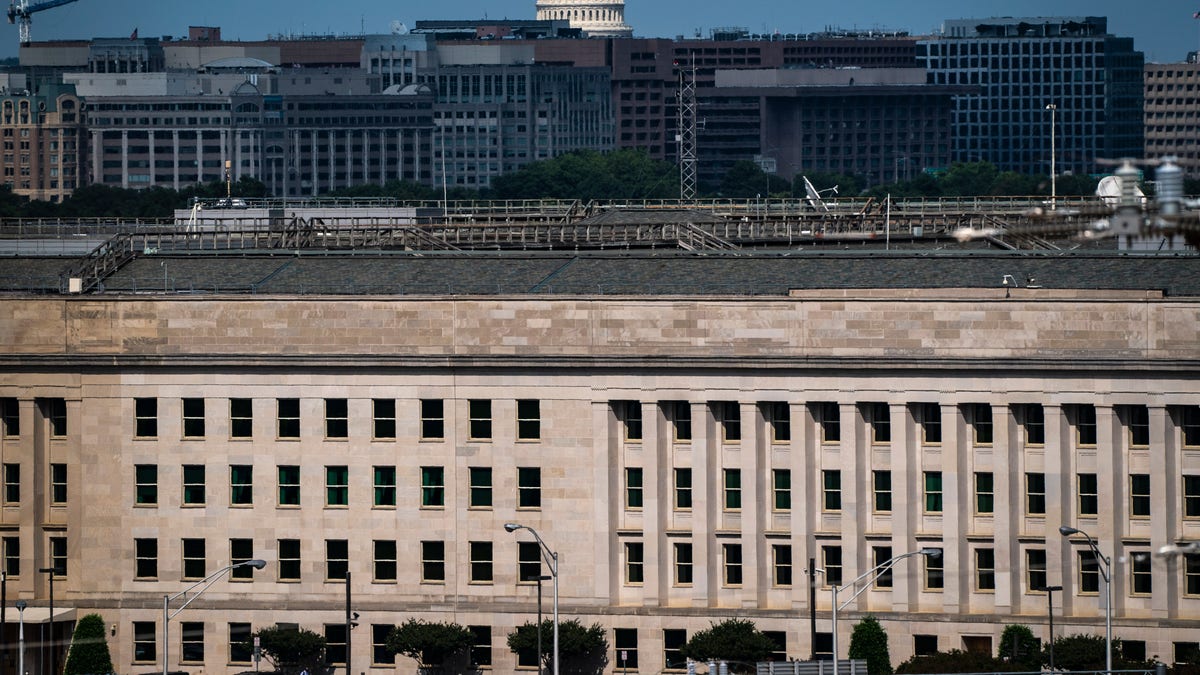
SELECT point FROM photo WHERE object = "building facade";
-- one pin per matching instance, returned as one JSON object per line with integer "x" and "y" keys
{"x": 603, "y": 18}
{"x": 1172, "y": 122}
{"x": 687, "y": 454}
{"x": 44, "y": 142}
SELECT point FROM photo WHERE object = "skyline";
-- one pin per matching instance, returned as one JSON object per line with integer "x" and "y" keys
{"x": 1164, "y": 30}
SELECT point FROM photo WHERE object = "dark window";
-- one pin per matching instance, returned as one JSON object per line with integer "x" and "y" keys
{"x": 882, "y": 490}
{"x": 832, "y": 490}
{"x": 1189, "y": 423}
{"x": 58, "y": 483}
{"x": 985, "y": 497}
{"x": 783, "y": 489}
{"x": 625, "y": 643}
{"x": 1085, "y": 424}
{"x": 829, "y": 416}
{"x": 1141, "y": 576}
{"x": 193, "y": 485}
{"x": 480, "y": 419}
{"x": 1035, "y": 569}
{"x": 241, "y": 484}
{"x": 12, "y": 483}
{"x": 384, "y": 415}
{"x": 925, "y": 645}
{"x": 629, "y": 413}
{"x": 981, "y": 422}
{"x": 1089, "y": 497}
{"x": 832, "y": 559}
{"x": 337, "y": 486}
{"x": 335, "y": 643}
{"x": 481, "y": 646}
{"x": 240, "y": 551}
{"x": 481, "y": 561}
{"x": 1139, "y": 425}
{"x": 674, "y": 640}
{"x": 683, "y": 563}
{"x": 935, "y": 571}
{"x": 433, "y": 486}
{"x": 194, "y": 562}
{"x": 146, "y": 487}
{"x": 385, "y": 485}
{"x": 1035, "y": 424}
{"x": 385, "y": 560}
{"x": 1035, "y": 494}
{"x": 380, "y": 654}
{"x": 679, "y": 414}
{"x": 191, "y": 641}
{"x": 683, "y": 489}
{"x": 1139, "y": 495}
{"x": 529, "y": 420}
{"x": 144, "y": 641}
{"x": 529, "y": 487}
{"x": 337, "y": 424}
{"x": 879, "y": 417}
{"x": 933, "y": 492}
{"x": 146, "y": 558}
{"x": 781, "y": 555}
{"x": 433, "y": 561}
{"x": 56, "y": 412}
{"x": 288, "y": 417}
{"x": 145, "y": 417}
{"x": 733, "y": 489}
{"x": 289, "y": 485}
{"x": 1191, "y": 496}
{"x": 985, "y": 569}
{"x": 12, "y": 556}
{"x": 931, "y": 422}
{"x": 635, "y": 562}
{"x": 433, "y": 419}
{"x": 337, "y": 559}
{"x": 193, "y": 421}
{"x": 731, "y": 555}
{"x": 289, "y": 559}
{"x": 879, "y": 556}
{"x": 633, "y": 488}
{"x": 729, "y": 416}
{"x": 10, "y": 417}
{"x": 778, "y": 416}
{"x": 529, "y": 561}
{"x": 241, "y": 418}
{"x": 239, "y": 643}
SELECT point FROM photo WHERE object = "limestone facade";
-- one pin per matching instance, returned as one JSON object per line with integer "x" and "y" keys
{"x": 603, "y": 18}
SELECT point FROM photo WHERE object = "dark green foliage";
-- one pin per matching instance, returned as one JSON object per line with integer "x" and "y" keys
{"x": 581, "y": 650}
{"x": 869, "y": 642}
{"x": 1082, "y": 652}
{"x": 737, "y": 641}
{"x": 432, "y": 645}
{"x": 89, "y": 648}
{"x": 956, "y": 661}
{"x": 746, "y": 180}
{"x": 1018, "y": 646}
{"x": 589, "y": 175}
{"x": 291, "y": 650}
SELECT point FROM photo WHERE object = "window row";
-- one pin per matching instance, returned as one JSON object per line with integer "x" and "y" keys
{"x": 11, "y": 555}
{"x": 336, "y": 492}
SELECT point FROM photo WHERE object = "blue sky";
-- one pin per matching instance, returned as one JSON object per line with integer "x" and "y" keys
{"x": 1163, "y": 29}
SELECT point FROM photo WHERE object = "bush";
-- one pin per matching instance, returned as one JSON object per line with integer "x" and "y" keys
{"x": 291, "y": 649}
{"x": 733, "y": 640}
{"x": 432, "y": 645}
{"x": 956, "y": 661}
{"x": 869, "y": 642}
{"x": 89, "y": 648}
{"x": 1018, "y": 646}
{"x": 582, "y": 650}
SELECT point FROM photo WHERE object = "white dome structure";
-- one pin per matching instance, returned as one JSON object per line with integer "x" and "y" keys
{"x": 597, "y": 18}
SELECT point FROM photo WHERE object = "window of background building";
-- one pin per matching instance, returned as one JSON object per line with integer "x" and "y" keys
{"x": 1089, "y": 573}
{"x": 194, "y": 485}
{"x": 529, "y": 561}
{"x": 145, "y": 641}
{"x": 935, "y": 570}
{"x": 481, "y": 561}
{"x": 433, "y": 419}
{"x": 383, "y": 415}
{"x": 337, "y": 559}
{"x": 728, "y": 416}
{"x": 984, "y": 492}
{"x": 679, "y": 414}
{"x": 1186, "y": 652}
{"x": 1190, "y": 425}
{"x": 674, "y": 640}
{"x": 779, "y": 421}
{"x": 288, "y": 417}
{"x": 10, "y": 417}
{"x": 1035, "y": 569}
{"x": 879, "y": 418}
{"x": 1139, "y": 425}
{"x": 683, "y": 489}
{"x": 56, "y": 414}
{"x": 479, "y": 490}
{"x": 385, "y": 560}
{"x": 384, "y": 478}
{"x": 241, "y": 418}
{"x": 831, "y": 558}
{"x": 882, "y": 491}
{"x": 380, "y": 654}
{"x": 1035, "y": 493}
{"x": 832, "y": 489}
{"x": 981, "y": 423}
{"x": 289, "y": 560}
{"x": 782, "y": 479}
{"x": 683, "y": 563}
{"x": 635, "y": 562}
{"x": 1035, "y": 423}
{"x": 1191, "y": 496}
{"x": 1085, "y": 424}
{"x": 12, "y": 483}
{"x": 781, "y": 560}
{"x": 828, "y": 418}
{"x": 145, "y": 558}
{"x": 191, "y": 641}
{"x": 529, "y": 487}
{"x": 289, "y": 485}
{"x": 145, "y": 411}
{"x": 529, "y": 420}
{"x": 633, "y": 488}
{"x": 193, "y": 418}
{"x": 433, "y": 561}
{"x": 933, "y": 492}
{"x": 480, "y": 419}
{"x": 58, "y": 484}
{"x": 931, "y": 423}
{"x": 335, "y": 643}
{"x": 241, "y": 484}
{"x": 240, "y": 551}
{"x": 925, "y": 645}
{"x": 481, "y": 646}
{"x": 12, "y": 556}
{"x": 1139, "y": 495}
{"x": 731, "y": 558}
{"x": 629, "y": 414}
{"x": 337, "y": 486}
{"x": 733, "y": 489}
{"x": 433, "y": 487}
{"x": 879, "y": 556}
{"x": 625, "y": 646}
{"x": 985, "y": 569}
{"x": 194, "y": 559}
{"x": 1141, "y": 577}
{"x": 337, "y": 413}
{"x": 1089, "y": 497}
{"x": 146, "y": 484}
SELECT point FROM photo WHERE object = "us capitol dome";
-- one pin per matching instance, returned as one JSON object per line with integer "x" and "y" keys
{"x": 605, "y": 18}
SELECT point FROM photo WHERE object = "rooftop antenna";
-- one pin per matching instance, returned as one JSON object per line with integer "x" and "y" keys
{"x": 686, "y": 134}
{"x": 814, "y": 195}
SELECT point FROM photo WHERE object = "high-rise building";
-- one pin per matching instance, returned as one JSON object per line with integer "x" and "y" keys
{"x": 1172, "y": 120}
{"x": 44, "y": 142}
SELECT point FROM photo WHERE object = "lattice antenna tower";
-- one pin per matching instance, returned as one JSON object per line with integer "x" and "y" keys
{"x": 687, "y": 130}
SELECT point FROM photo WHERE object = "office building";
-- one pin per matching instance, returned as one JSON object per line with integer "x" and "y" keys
{"x": 44, "y": 141}
{"x": 1172, "y": 118}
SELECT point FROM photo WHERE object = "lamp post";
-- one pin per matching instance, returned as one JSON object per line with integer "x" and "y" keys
{"x": 1105, "y": 566}
{"x": 53, "y": 659}
{"x": 1053, "y": 108}
{"x": 551, "y": 559}
{"x": 203, "y": 584}
{"x": 21, "y": 637}
{"x": 1050, "y": 614}
{"x": 869, "y": 575}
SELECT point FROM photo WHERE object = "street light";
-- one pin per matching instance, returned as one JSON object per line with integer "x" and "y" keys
{"x": 869, "y": 575}
{"x": 551, "y": 559}
{"x": 21, "y": 605}
{"x": 53, "y": 658}
{"x": 1053, "y": 176}
{"x": 1050, "y": 613}
{"x": 204, "y": 584}
{"x": 539, "y": 578}
{"x": 1105, "y": 566}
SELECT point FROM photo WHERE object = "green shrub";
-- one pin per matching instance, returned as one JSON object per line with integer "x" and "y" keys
{"x": 89, "y": 648}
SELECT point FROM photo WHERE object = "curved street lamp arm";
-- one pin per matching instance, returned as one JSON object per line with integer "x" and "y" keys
{"x": 877, "y": 571}
{"x": 549, "y": 556}
{"x": 204, "y": 583}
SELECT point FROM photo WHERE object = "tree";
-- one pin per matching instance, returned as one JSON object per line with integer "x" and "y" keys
{"x": 746, "y": 180}
{"x": 733, "y": 640}
{"x": 432, "y": 645}
{"x": 968, "y": 180}
{"x": 587, "y": 175}
{"x": 582, "y": 650}
{"x": 955, "y": 661}
{"x": 1082, "y": 652}
{"x": 1018, "y": 646}
{"x": 291, "y": 650}
{"x": 869, "y": 642}
{"x": 89, "y": 649}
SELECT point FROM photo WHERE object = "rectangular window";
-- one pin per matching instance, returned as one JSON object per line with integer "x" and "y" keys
{"x": 194, "y": 562}
{"x": 146, "y": 484}
{"x": 337, "y": 559}
{"x": 1035, "y": 494}
{"x": 779, "y": 421}
{"x": 1139, "y": 425}
{"x": 931, "y": 423}
{"x": 829, "y": 417}
{"x": 683, "y": 489}
{"x": 1186, "y": 652}
{"x": 383, "y": 416}
{"x": 241, "y": 550}
{"x": 239, "y": 643}
{"x": 1035, "y": 424}
{"x": 633, "y": 488}
{"x": 1191, "y": 496}
{"x": 831, "y": 557}
{"x": 480, "y": 422}
{"x": 193, "y": 418}
{"x": 481, "y": 561}
{"x": 879, "y": 417}
{"x": 781, "y": 559}
{"x": 56, "y": 413}
{"x": 1035, "y": 569}
{"x": 241, "y": 484}
{"x": 433, "y": 487}
{"x": 985, "y": 496}
{"x": 145, "y": 417}
{"x": 1141, "y": 581}
{"x": 981, "y": 422}
{"x": 1191, "y": 574}
{"x": 629, "y": 414}
{"x": 337, "y": 413}
{"x": 241, "y": 418}
{"x": 337, "y": 486}
{"x": 1139, "y": 495}
{"x": 479, "y": 489}
{"x": 832, "y": 492}
{"x": 625, "y": 644}
{"x": 985, "y": 569}
{"x": 529, "y": 420}
{"x": 634, "y": 562}
{"x": 384, "y": 478}
{"x": 12, "y": 556}
{"x": 933, "y": 492}
{"x": 679, "y": 414}
{"x": 731, "y": 555}
{"x": 683, "y": 563}
{"x": 12, "y": 483}
{"x": 782, "y": 479}
{"x": 1089, "y": 496}
{"x": 289, "y": 560}
{"x": 1085, "y": 425}
{"x": 10, "y": 417}
{"x": 145, "y": 558}
{"x": 481, "y": 646}
{"x": 433, "y": 561}
{"x": 58, "y": 555}
{"x": 728, "y": 415}
{"x": 144, "y": 642}
{"x": 935, "y": 570}
{"x": 380, "y": 654}
{"x": 674, "y": 640}
{"x": 289, "y": 485}
{"x": 191, "y": 641}
{"x": 1189, "y": 425}
{"x": 529, "y": 561}
{"x": 733, "y": 489}
{"x": 288, "y": 417}
{"x": 335, "y": 643}
{"x": 433, "y": 419}
{"x": 879, "y": 556}
{"x": 58, "y": 484}
{"x": 1089, "y": 573}
{"x": 882, "y": 484}
{"x": 529, "y": 487}
{"x": 385, "y": 560}
{"x": 194, "y": 485}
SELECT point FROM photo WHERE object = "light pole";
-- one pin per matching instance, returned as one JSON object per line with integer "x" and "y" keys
{"x": 1053, "y": 108}
{"x": 21, "y": 637}
{"x": 203, "y": 584}
{"x": 1105, "y": 567}
{"x": 53, "y": 660}
{"x": 869, "y": 575}
{"x": 551, "y": 559}
{"x": 1050, "y": 614}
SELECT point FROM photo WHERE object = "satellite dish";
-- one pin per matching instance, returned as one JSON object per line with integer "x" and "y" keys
{"x": 398, "y": 28}
{"x": 1109, "y": 191}
{"x": 814, "y": 197}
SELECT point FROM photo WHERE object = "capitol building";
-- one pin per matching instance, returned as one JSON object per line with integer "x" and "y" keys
{"x": 605, "y": 18}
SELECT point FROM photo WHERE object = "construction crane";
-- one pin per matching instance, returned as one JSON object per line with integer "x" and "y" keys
{"x": 21, "y": 13}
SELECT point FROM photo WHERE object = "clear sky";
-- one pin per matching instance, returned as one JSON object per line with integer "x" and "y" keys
{"x": 1163, "y": 29}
